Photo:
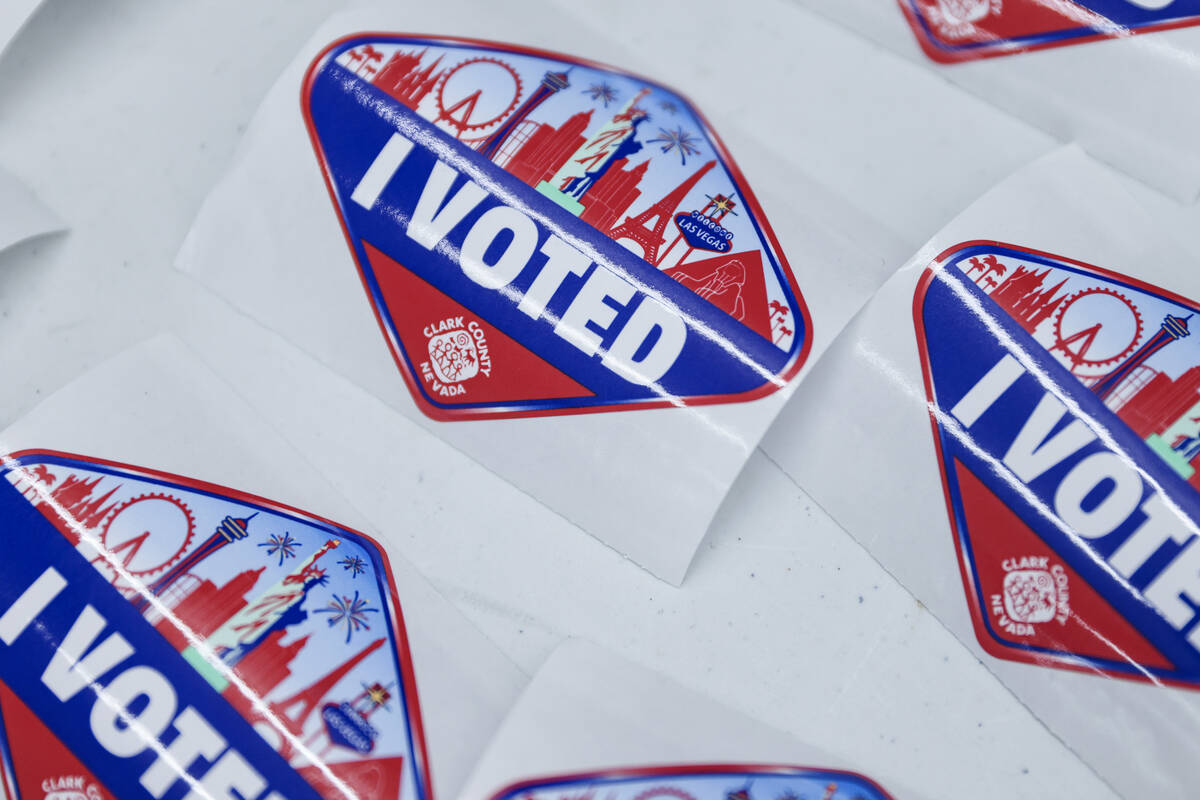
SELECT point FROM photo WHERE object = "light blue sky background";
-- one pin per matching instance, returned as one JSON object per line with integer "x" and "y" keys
{"x": 1173, "y": 359}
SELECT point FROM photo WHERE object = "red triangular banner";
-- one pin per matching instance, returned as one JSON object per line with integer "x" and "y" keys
{"x": 999, "y": 537}
{"x": 42, "y": 763}
{"x": 734, "y": 283}
{"x": 375, "y": 777}
{"x": 458, "y": 357}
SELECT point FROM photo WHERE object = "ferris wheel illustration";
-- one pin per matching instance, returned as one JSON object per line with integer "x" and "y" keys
{"x": 145, "y": 535}
{"x": 476, "y": 94}
{"x": 1095, "y": 329}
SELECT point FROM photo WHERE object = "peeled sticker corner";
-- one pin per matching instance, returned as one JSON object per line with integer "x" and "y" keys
{"x": 22, "y": 215}
{"x": 520, "y": 260}
{"x": 151, "y": 624}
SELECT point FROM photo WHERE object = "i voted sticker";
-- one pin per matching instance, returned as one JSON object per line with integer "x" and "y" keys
{"x": 163, "y": 638}
{"x": 542, "y": 235}
{"x": 1065, "y": 408}
{"x": 702, "y": 782}
{"x": 960, "y": 30}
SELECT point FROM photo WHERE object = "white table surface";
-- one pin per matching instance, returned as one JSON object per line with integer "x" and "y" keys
{"x": 121, "y": 115}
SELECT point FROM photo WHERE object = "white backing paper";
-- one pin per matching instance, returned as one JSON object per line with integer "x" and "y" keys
{"x": 13, "y": 16}
{"x": 159, "y": 407}
{"x": 1119, "y": 98}
{"x": 22, "y": 215}
{"x": 587, "y": 710}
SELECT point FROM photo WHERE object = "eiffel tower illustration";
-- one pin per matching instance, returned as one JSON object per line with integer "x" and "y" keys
{"x": 295, "y": 710}
{"x": 647, "y": 227}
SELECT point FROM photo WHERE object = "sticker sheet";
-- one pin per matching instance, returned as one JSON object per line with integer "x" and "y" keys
{"x": 164, "y": 634}
{"x": 557, "y": 266}
{"x": 22, "y": 215}
{"x": 1024, "y": 395}
{"x": 529, "y": 579}
{"x": 646, "y": 737}
{"x": 1107, "y": 74}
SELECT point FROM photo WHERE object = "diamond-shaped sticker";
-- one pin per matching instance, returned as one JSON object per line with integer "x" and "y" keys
{"x": 1065, "y": 412}
{"x": 538, "y": 234}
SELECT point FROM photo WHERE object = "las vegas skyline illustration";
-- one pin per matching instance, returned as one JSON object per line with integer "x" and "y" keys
{"x": 295, "y": 610}
{"x": 622, "y": 155}
{"x": 1133, "y": 350}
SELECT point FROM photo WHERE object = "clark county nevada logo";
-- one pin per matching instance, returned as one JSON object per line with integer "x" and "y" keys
{"x": 150, "y": 625}
{"x": 961, "y": 30}
{"x": 1065, "y": 401}
{"x": 542, "y": 235}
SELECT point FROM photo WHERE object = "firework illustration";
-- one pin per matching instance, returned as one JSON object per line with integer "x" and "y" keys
{"x": 602, "y": 92}
{"x": 350, "y": 613}
{"x": 284, "y": 546}
{"x": 679, "y": 140}
{"x": 668, "y": 106}
{"x": 354, "y": 565}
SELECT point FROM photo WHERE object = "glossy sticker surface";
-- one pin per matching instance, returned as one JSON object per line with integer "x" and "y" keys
{"x": 259, "y": 647}
{"x": 729, "y": 782}
{"x": 960, "y": 30}
{"x": 541, "y": 235}
{"x": 1065, "y": 407}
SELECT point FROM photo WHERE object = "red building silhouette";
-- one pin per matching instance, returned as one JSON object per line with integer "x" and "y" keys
{"x": 1173, "y": 329}
{"x": 230, "y": 529}
{"x": 269, "y": 664}
{"x": 613, "y": 194}
{"x": 1160, "y": 402}
{"x": 548, "y": 148}
{"x": 1023, "y": 297}
{"x": 78, "y": 507}
{"x": 208, "y": 608}
{"x": 551, "y": 84}
{"x": 402, "y": 78}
